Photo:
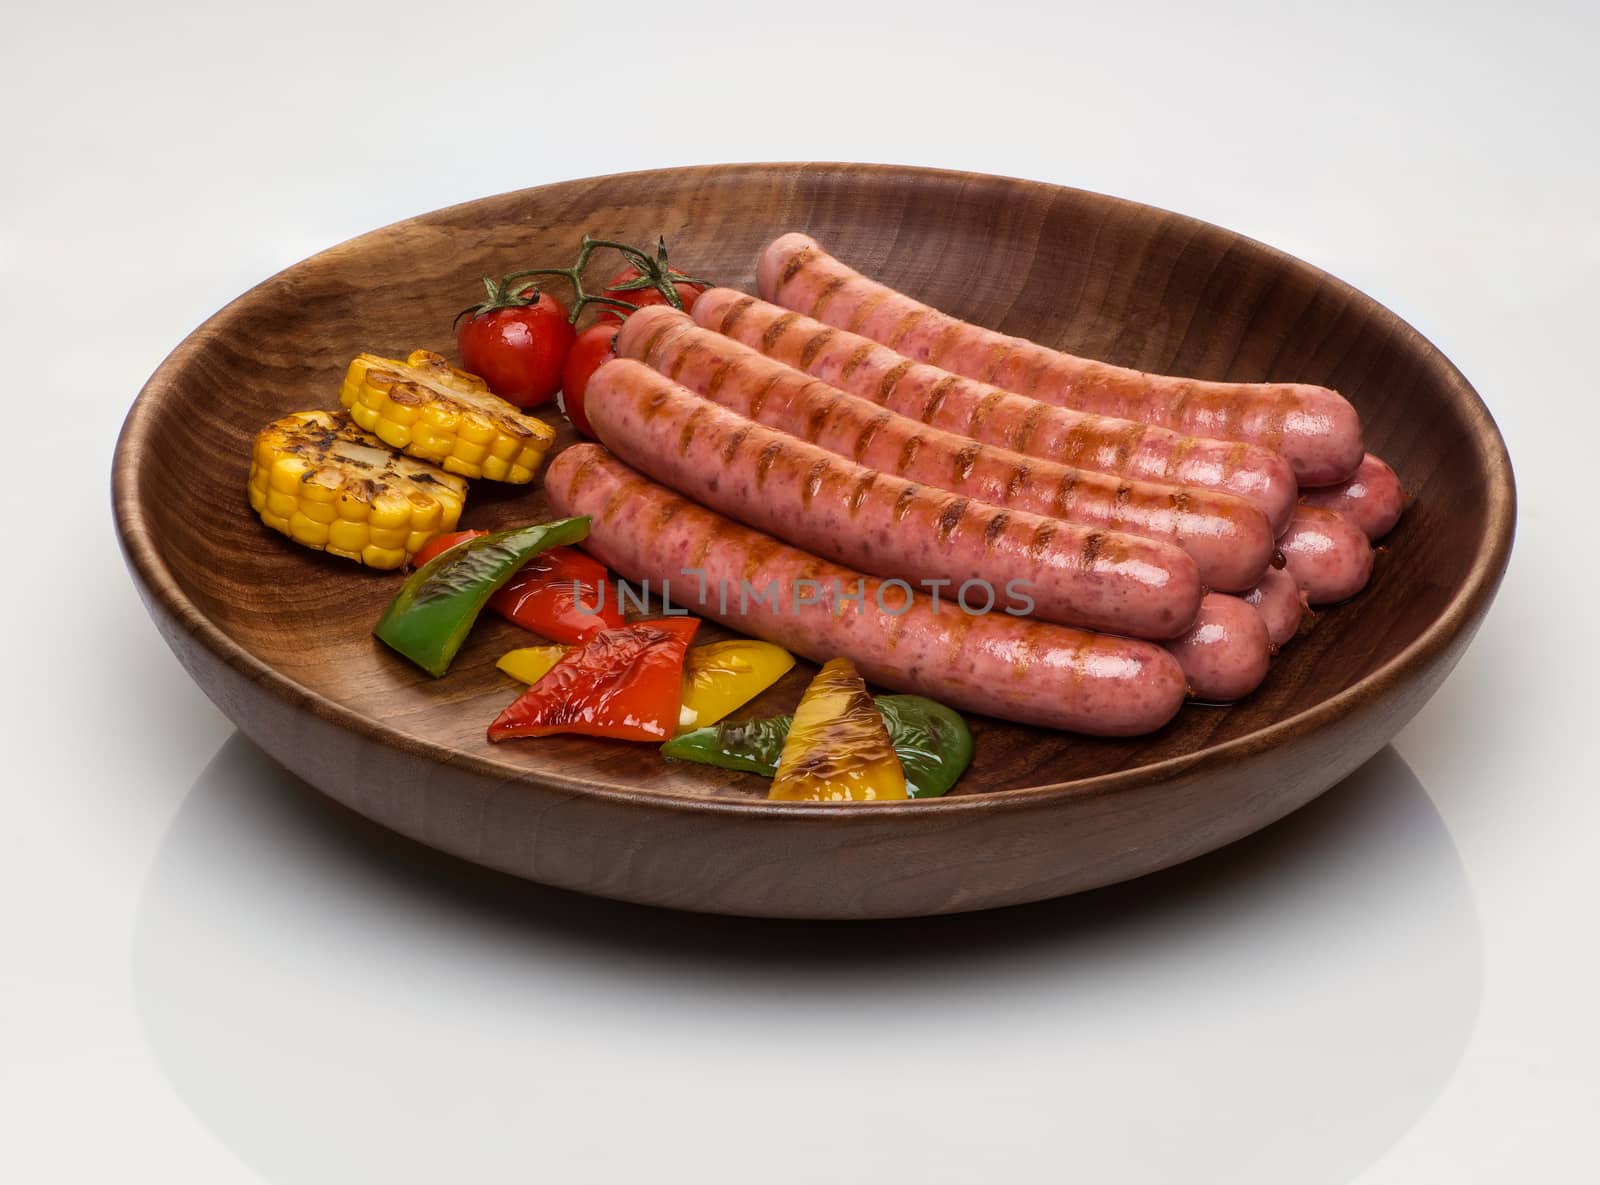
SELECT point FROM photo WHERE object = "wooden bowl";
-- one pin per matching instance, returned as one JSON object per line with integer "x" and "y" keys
{"x": 279, "y": 637}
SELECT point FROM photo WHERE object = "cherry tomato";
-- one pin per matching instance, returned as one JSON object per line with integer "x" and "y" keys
{"x": 518, "y": 349}
{"x": 595, "y": 345}
{"x": 643, "y": 296}
{"x": 442, "y": 543}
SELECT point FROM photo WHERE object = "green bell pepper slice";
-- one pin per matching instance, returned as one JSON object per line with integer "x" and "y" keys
{"x": 433, "y": 612}
{"x": 932, "y": 741}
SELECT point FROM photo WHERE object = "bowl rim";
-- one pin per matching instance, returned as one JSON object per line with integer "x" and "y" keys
{"x": 1465, "y": 607}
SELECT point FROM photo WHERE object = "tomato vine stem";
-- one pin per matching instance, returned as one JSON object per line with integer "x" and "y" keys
{"x": 513, "y": 291}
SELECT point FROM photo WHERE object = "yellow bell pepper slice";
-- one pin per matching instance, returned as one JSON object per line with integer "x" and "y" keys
{"x": 722, "y": 676}
{"x": 838, "y": 748}
{"x": 531, "y": 663}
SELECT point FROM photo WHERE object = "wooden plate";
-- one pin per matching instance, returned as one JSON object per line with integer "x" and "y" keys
{"x": 278, "y": 636}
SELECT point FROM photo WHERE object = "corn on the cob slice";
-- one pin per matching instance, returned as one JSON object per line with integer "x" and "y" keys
{"x": 429, "y": 409}
{"x": 325, "y": 483}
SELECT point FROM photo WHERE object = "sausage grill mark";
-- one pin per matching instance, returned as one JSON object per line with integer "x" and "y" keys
{"x": 813, "y": 347}
{"x": 1040, "y": 543}
{"x": 1279, "y": 419}
{"x": 683, "y": 357}
{"x": 864, "y": 310}
{"x": 734, "y": 314}
{"x": 1093, "y": 544}
{"x": 777, "y": 329}
{"x": 864, "y": 485}
{"x": 652, "y": 405}
{"x": 962, "y": 465}
{"x": 1023, "y": 656}
{"x": 897, "y": 623}
{"x": 1028, "y": 426}
{"x": 814, "y": 478}
{"x": 625, "y": 493}
{"x": 651, "y": 344}
{"x": 1074, "y": 444}
{"x": 937, "y": 396}
{"x": 857, "y": 359}
{"x": 1062, "y": 502}
{"x": 1233, "y": 460}
{"x": 891, "y": 379}
{"x": 999, "y": 353}
{"x": 700, "y": 551}
{"x": 1019, "y": 480}
{"x": 585, "y": 470}
{"x": 872, "y": 428}
{"x": 796, "y": 264}
{"x": 686, "y": 437}
{"x": 817, "y": 420}
{"x": 766, "y": 460}
{"x": 825, "y": 294}
{"x": 942, "y": 342}
{"x": 731, "y": 448}
{"x": 759, "y": 399}
{"x": 905, "y": 325}
{"x": 760, "y": 552}
{"x": 718, "y": 377}
{"x": 950, "y": 518}
{"x": 902, "y": 504}
{"x": 996, "y": 528}
{"x": 958, "y": 635}
{"x": 908, "y": 452}
{"x": 985, "y": 409}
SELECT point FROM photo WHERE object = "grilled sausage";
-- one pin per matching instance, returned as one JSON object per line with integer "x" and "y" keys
{"x": 1226, "y": 652}
{"x": 1373, "y": 499}
{"x": 1228, "y": 538}
{"x": 1004, "y": 559}
{"x": 1010, "y": 667}
{"x": 1281, "y": 604}
{"x": 940, "y": 399}
{"x": 1327, "y": 554}
{"x": 1315, "y": 429}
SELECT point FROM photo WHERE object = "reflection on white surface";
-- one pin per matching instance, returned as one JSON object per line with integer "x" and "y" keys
{"x": 339, "y": 1005}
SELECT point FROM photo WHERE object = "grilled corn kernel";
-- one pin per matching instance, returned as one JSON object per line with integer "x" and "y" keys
{"x": 427, "y": 408}
{"x": 325, "y": 483}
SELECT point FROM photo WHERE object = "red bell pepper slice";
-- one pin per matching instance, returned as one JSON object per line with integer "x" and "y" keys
{"x": 442, "y": 543}
{"x": 559, "y": 594}
{"x": 546, "y": 593}
{"x": 624, "y": 683}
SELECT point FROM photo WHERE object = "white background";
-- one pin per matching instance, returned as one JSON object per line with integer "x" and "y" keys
{"x": 208, "y": 976}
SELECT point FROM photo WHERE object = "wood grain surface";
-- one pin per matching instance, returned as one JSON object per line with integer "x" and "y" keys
{"x": 279, "y": 636}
